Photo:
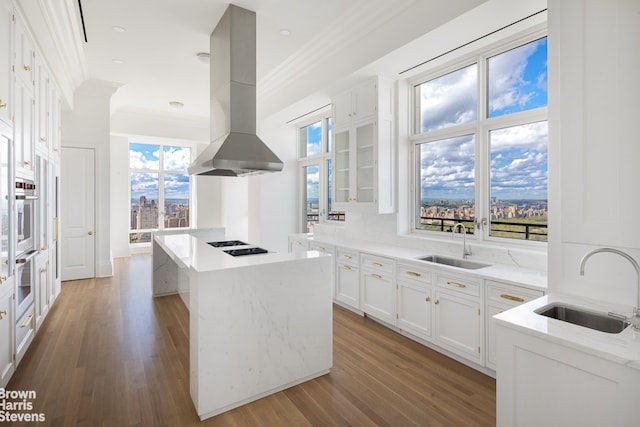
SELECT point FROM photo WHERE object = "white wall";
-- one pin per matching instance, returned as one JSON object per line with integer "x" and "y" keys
{"x": 594, "y": 57}
{"x": 88, "y": 127}
{"x": 120, "y": 203}
{"x": 273, "y": 197}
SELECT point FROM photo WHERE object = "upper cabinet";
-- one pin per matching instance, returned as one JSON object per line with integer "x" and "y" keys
{"x": 363, "y": 155}
{"x": 24, "y": 53}
{"x": 6, "y": 49}
{"x": 360, "y": 103}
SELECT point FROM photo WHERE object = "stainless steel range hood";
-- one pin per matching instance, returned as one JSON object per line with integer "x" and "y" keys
{"x": 236, "y": 150}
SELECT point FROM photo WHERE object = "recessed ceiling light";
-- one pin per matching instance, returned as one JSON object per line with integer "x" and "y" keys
{"x": 285, "y": 32}
{"x": 118, "y": 29}
{"x": 203, "y": 56}
{"x": 176, "y": 104}
{"x": 117, "y": 61}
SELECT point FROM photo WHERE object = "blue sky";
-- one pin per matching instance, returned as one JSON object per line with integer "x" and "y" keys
{"x": 517, "y": 81}
{"x": 147, "y": 157}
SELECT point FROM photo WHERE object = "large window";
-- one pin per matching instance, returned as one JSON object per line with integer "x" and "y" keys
{"x": 160, "y": 196}
{"x": 314, "y": 154}
{"x": 480, "y": 145}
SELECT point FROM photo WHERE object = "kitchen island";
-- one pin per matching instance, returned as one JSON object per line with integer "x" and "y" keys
{"x": 258, "y": 324}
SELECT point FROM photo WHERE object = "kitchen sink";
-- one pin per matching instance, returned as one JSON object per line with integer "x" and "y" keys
{"x": 588, "y": 319}
{"x": 454, "y": 262}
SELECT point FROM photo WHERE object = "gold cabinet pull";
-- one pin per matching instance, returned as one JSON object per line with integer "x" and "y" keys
{"x": 375, "y": 276}
{"x": 3, "y": 313}
{"x": 347, "y": 256}
{"x": 456, "y": 284}
{"x": 27, "y": 67}
{"x": 346, "y": 267}
{"x": 377, "y": 264}
{"x": 44, "y": 248}
{"x": 3, "y": 278}
{"x": 321, "y": 248}
{"x": 3, "y": 104}
{"x": 297, "y": 242}
{"x": 27, "y": 320}
{"x": 27, "y": 163}
{"x": 437, "y": 301}
{"x": 511, "y": 298}
{"x": 413, "y": 273}
{"x": 427, "y": 299}
{"x": 43, "y": 270}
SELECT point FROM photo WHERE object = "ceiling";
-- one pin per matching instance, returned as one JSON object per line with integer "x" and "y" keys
{"x": 149, "y": 47}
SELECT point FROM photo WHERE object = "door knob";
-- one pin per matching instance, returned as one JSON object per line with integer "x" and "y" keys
{"x": 90, "y": 233}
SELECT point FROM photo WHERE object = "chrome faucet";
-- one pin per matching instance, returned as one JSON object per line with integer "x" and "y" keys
{"x": 465, "y": 251}
{"x": 635, "y": 319}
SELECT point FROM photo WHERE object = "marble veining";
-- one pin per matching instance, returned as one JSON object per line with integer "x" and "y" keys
{"x": 257, "y": 324}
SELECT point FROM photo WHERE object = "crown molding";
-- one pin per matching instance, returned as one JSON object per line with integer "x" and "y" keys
{"x": 55, "y": 29}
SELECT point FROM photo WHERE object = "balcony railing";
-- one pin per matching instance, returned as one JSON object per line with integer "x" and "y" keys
{"x": 507, "y": 229}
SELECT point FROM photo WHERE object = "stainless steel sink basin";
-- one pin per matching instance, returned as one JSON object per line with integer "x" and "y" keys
{"x": 588, "y": 319}
{"x": 454, "y": 262}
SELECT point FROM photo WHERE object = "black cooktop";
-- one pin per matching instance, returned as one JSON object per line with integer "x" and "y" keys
{"x": 224, "y": 243}
{"x": 246, "y": 251}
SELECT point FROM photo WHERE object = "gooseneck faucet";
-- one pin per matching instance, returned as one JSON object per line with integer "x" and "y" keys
{"x": 465, "y": 251}
{"x": 635, "y": 319}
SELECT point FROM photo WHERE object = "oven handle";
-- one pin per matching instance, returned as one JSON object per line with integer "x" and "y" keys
{"x": 27, "y": 257}
{"x": 25, "y": 197}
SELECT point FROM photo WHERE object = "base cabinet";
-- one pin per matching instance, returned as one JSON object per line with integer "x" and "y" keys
{"x": 7, "y": 325}
{"x": 25, "y": 330}
{"x": 377, "y": 287}
{"x": 414, "y": 300}
{"x": 501, "y": 297}
{"x": 458, "y": 320}
{"x": 542, "y": 383}
{"x": 347, "y": 278}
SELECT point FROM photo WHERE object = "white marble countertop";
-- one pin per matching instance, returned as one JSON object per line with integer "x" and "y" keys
{"x": 505, "y": 273}
{"x": 622, "y": 348}
{"x": 193, "y": 252}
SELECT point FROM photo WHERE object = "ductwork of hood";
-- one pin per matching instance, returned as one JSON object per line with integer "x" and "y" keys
{"x": 236, "y": 150}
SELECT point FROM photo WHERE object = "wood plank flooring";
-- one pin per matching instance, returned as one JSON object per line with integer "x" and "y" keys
{"x": 109, "y": 354}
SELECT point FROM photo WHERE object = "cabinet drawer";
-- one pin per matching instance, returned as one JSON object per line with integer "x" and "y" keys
{"x": 346, "y": 256}
{"x": 321, "y": 247}
{"x": 510, "y": 294}
{"x": 459, "y": 284}
{"x": 413, "y": 273}
{"x": 24, "y": 326}
{"x": 376, "y": 263}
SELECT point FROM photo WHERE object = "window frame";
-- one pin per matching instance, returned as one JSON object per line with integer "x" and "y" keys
{"x": 481, "y": 128}
{"x": 321, "y": 160}
{"x": 160, "y": 172}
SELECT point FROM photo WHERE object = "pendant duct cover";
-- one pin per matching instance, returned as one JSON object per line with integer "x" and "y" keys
{"x": 236, "y": 150}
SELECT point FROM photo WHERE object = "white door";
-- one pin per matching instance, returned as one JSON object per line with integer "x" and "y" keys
{"x": 77, "y": 216}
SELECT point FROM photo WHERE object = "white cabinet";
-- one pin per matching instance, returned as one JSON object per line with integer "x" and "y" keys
{"x": 458, "y": 320}
{"x": 377, "y": 287}
{"x": 7, "y": 323}
{"x": 347, "y": 278}
{"x": 6, "y": 52}
{"x": 43, "y": 105}
{"x": 24, "y": 124}
{"x": 41, "y": 286}
{"x": 363, "y": 155}
{"x": 25, "y": 331}
{"x": 24, "y": 53}
{"x": 360, "y": 103}
{"x": 498, "y": 298}
{"x": 298, "y": 244}
{"x": 414, "y": 299}
{"x": 546, "y": 383}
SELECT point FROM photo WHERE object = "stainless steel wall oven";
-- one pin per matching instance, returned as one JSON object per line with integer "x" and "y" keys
{"x": 25, "y": 240}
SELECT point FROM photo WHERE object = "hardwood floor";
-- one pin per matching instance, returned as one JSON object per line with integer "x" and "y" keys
{"x": 110, "y": 354}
